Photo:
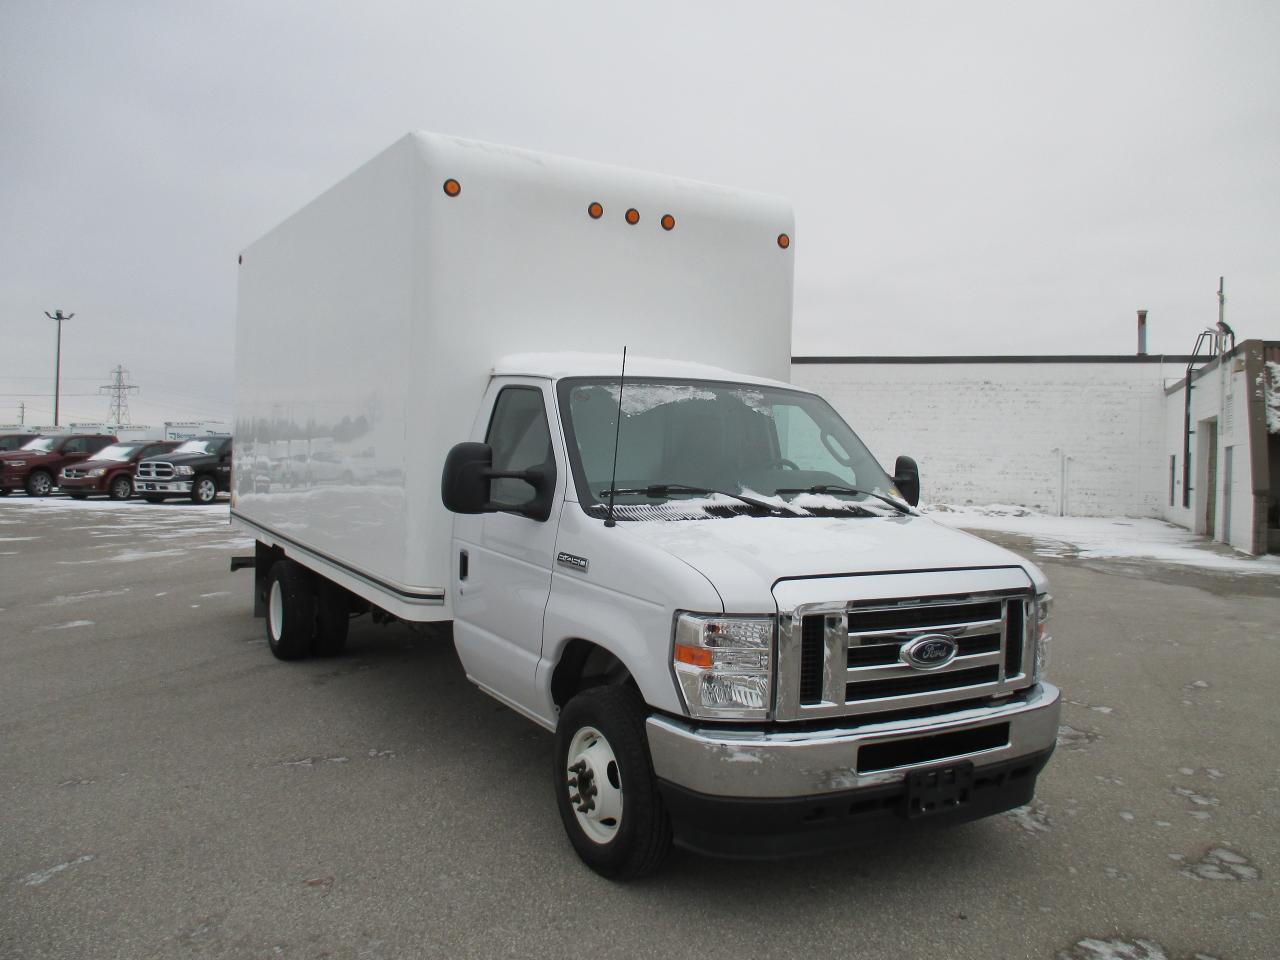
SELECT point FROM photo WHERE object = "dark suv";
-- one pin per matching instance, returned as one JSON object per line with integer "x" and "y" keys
{"x": 199, "y": 469}
{"x": 111, "y": 469}
{"x": 35, "y": 466}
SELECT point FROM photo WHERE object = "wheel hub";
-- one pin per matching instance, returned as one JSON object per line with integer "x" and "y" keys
{"x": 594, "y": 785}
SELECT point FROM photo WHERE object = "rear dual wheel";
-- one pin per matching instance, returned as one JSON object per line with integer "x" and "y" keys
{"x": 306, "y": 614}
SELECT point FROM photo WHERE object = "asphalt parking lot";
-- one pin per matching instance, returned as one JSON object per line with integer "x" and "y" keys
{"x": 169, "y": 789}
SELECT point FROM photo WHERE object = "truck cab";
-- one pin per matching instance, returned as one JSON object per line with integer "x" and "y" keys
{"x": 744, "y": 606}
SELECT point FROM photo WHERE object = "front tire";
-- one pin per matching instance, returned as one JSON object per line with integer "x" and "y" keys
{"x": 121, "y": 488}
{"x": 291, "y": 610}
{"x": 39, "y": 483}
{"x": 204, "y": 490}
{"x": 605, "y": 788}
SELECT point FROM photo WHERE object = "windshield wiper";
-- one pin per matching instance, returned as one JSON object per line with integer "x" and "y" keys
{"x": 657, "y": 491}
{"x": 836, "y": 488}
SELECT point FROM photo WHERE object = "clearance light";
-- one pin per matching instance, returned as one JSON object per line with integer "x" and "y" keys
{"x": 595, "y": 211}
{"x": 633, "y": 216}
{"x": 668, "y": 222}
{"x": 452, "y": 187}
{"x": 784, "y": 241}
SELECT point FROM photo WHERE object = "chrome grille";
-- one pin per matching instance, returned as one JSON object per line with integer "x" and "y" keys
{"x": 859, "y": 645}
{"x": 72, "y": 473}
{"x": 155, "y": 470}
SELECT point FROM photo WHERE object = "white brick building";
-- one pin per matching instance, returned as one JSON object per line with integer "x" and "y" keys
{"x": 1083, "y": 435}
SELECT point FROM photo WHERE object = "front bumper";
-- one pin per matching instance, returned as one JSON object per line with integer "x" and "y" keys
{"x": 81, "y": 484}
{"x": 781, "y": 792}
{"x": 162, "y": 486}
{"x": 13, "y": 481}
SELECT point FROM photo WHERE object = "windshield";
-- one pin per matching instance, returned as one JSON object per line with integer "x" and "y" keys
{"x": 199, "y": 446}
{"x": 117, "y": 451}
{"x": 40, "y": 445}
{"x": 716, "y": 441}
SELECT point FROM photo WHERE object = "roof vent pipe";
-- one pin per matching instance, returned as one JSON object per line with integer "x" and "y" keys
{"x": 1142, "y": 333}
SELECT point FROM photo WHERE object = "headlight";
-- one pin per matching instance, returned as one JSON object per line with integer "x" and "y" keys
{"x": 97, "y": 472}
{"x": 1040, "y": 613}
{"x": 724, "y": 665}
{"x": 182, "y": 471}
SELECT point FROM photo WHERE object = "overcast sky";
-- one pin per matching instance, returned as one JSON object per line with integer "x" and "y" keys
{"x": 967, "y": 177}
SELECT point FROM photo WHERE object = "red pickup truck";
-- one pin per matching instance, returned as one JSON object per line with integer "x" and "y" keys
{"x": 111, "y": 469}
{"x": 35, "y": 466}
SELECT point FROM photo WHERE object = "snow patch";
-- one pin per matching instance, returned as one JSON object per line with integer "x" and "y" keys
{"x": 1101, "y": 538}
{"x": 41, "y": 877}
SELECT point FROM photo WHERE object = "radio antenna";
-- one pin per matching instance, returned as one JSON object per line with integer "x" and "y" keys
{"x": 617, "y": 431}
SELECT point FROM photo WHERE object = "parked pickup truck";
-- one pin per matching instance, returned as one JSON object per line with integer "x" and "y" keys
{"x": 36, "y": 466}
{"x": 199, "y": 469}
{"x": 741, "y": 631}
{"x": 111, "y": 470}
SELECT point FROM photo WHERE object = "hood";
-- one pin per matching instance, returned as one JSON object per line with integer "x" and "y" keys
{"x": 101, "y": 464}
{"x": 744, "y": 557}
{"x": 26, "y": 456}
{"x": 182, "y": 457}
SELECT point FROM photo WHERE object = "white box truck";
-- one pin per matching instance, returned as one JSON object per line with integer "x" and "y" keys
{"x": 741, "y": 632}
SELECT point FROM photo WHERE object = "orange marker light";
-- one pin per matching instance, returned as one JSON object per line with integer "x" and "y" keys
{"x": 784, "y": 241}
{"x": 633, "y": 216}
{"x": 668, "y": 222}
{"x": 595, "y": 211}
{"x": 694, "y": 656}
{"x": 452, "y": 187}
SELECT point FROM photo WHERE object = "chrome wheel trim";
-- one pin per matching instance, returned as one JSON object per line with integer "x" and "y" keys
{"x": 592, "y": 767}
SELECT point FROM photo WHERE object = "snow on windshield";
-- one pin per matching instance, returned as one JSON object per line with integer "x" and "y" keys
{"x": 40, "y": 445}
{"x": 117, "y": 451}
{"x": 192, "y": 446}
{"x": 638, "y": 398}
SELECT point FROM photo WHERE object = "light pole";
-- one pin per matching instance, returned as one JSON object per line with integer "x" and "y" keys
{"x": 57, "y": 363}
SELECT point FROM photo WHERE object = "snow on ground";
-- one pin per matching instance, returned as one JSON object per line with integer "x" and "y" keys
{"x": 1103, "y": 538}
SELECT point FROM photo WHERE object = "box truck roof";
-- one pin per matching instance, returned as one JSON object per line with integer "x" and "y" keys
{"x": 556, "y": 366}
{"x": 387, "y": 300}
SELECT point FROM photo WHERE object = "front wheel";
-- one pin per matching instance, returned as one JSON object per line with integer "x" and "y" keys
{"x": 204, "y": 490}
{"x": 605, "y": 788}
{"x": 39, "y": 484}
{"x": 121, "y": 488}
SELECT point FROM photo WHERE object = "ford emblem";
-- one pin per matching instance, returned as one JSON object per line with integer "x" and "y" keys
{"x": 929, "y": 652}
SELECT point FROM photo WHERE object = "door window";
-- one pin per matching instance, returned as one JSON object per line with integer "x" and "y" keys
{"x": 76, "y": 445}
{"x": 521, "y": 440}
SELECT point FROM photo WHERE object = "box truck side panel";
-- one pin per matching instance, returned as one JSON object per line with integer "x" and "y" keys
{"x": 325, "y": 304}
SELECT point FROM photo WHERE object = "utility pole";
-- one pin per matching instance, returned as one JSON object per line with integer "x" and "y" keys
{"x": 118, "y": 389}
{"x": 57, "y": 363}
{"x": 22, "y": 413}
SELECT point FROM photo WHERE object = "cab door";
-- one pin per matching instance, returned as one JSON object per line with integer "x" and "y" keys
{"x": 502, "y": 561}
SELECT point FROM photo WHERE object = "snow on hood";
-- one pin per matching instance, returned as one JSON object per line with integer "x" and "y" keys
{"x": 744, "y": 556}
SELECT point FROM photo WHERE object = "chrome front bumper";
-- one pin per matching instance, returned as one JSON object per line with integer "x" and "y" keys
{"x": 785, "y": 763}
{"x": 162, "y": 486}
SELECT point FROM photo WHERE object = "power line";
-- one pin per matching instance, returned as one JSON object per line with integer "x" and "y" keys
{"x": 118, "y": 390}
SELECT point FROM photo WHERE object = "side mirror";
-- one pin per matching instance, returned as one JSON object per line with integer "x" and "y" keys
{"x": 465, "y": 482}
{"x": 464, "y": 485}
{"x": 906, "y": 475}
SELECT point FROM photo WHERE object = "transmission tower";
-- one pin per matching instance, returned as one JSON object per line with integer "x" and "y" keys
{"x": 118, "y": 389}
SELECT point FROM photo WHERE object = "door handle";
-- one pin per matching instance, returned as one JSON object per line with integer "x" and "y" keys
{"x": 464, "y": 564}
